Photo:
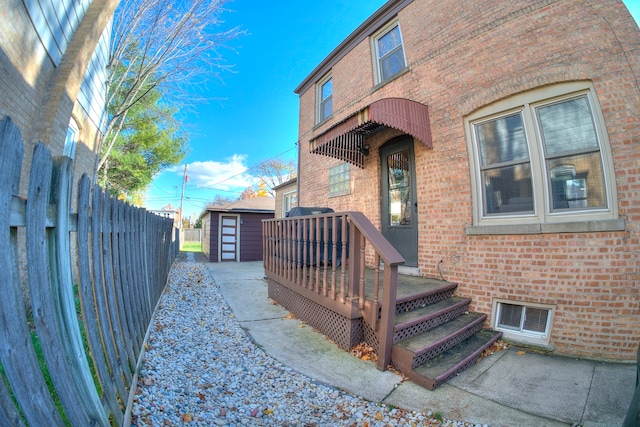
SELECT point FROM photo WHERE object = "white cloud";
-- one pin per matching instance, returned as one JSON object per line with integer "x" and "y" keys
{"x": 227, "y": 175}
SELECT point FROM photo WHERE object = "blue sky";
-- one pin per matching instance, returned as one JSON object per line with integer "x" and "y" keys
{"x": 254, "y": 116}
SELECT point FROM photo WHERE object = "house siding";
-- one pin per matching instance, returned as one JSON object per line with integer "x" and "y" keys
{"x": 464, "y": 55}
{"x": 251, "y": 236}
{"x": 210, "y": 225}
{"x": 44, "y": 58}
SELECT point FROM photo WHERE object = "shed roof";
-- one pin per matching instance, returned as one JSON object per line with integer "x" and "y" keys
{"x": 255, "y": 205}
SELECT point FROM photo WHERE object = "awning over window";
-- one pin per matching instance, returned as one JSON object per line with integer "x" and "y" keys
{"x": 346, "y": 140}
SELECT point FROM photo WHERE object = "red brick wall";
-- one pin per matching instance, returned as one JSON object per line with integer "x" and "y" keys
{"x": 464, "y": 55}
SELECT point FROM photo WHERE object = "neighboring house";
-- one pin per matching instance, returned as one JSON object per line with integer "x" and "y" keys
{"x": 496, "y": 145}
{"x": 233, "y": 232}
{"x": 53, "y": 58}
{"x": 168, "y": 212}
{"x": 53, "y": 85}
{"x": 286, "y": 197}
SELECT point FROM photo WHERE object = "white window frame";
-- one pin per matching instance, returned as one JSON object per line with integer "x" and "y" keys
{"x": 531, "y": 337}
{"x": 340, "y": 180}
{"x": 321, "y": 102}
{"x": 377, "y": 68}
{"x": 71, "y": 140}
{"x": 288, "y": 199}
{"x": 543, "y": 213}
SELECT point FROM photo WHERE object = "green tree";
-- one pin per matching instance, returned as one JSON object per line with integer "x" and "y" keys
{"x": 160, "y": 51}
{"x": 149, "y": 141}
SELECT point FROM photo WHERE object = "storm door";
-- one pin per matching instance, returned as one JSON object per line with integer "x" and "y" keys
{"x": 399, "y": 206}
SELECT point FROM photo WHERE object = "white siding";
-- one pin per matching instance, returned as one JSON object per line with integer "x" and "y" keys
{"x": 55, "y": 21}
{"x": 93, "y": 91}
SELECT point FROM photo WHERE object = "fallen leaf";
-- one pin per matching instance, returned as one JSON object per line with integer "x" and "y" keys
{"x": 520, "y": 353}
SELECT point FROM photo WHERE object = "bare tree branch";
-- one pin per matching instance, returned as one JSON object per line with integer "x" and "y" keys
{"x": 165, "y": 46}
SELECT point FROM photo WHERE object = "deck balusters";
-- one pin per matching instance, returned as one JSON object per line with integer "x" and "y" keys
{"x": 361, "y": 294}
{"x": 343, "y": 273}
{"x": 318, "y": 245}
{"x": 298, "y": 252}
{"x": 334, "y": 255}
{"x": 325, "y": 256}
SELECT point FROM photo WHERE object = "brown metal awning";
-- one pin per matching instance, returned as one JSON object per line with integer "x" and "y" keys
{"x": 346, "y": 140}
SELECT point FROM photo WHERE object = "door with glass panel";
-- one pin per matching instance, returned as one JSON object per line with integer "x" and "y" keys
{"x": 228, "y": 238}
{"x": 399, "y": 205}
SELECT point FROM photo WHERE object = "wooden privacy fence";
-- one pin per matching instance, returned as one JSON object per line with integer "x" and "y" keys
{"x": 190, "y": 235}
{"x": 121, "y": 256}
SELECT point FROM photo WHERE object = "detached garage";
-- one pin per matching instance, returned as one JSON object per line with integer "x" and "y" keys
{"x": 233, "y": 232}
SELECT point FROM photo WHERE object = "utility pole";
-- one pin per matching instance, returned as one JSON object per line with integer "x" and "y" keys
{"x": 184, "y": 181}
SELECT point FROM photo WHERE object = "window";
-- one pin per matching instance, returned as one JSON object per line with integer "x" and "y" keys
{"x": 541, "y": 158}
{"x": 526, "y": 322}
{"x": 289, "y": 200}
{"x": 339, "y": 180}
{"x": 325, "y": 96}
{"x": 388, "y": 53}
{"x": 71, "y": 140}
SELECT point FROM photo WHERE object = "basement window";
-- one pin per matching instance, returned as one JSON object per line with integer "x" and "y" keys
{"x": 523, "y": 321}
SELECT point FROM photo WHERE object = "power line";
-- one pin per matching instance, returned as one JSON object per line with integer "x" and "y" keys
{"x": 248, "y": 169}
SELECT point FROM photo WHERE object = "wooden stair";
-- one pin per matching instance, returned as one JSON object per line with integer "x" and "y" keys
{"x": 435, "y": 336}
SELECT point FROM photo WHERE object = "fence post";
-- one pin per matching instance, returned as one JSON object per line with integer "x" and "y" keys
{"x": 17, "y": 354}
{"x": 63, "y": 291}
{"x": 43, "y": 292}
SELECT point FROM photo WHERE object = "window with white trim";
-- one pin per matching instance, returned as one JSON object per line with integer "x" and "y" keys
{"x": 388, "y": 52}
{"x": 523, "y": 321}
{"x": 289, "y": 200}
{"x": 339, "y": 180}
{"x": 71, "y": 140}
{"x": 325, "y": 99}
{"x": 542, "y": 157}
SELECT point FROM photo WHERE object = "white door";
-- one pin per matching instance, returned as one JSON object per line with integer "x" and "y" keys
{"x": 228, "y": 238}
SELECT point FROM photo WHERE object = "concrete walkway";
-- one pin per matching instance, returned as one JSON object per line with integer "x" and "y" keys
{"x": 504, "y": 389}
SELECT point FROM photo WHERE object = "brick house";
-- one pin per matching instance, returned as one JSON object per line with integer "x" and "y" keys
{"x": 53, "y": 84}
{"x": 495, "y": 145}
{"x": 286, "y": 197}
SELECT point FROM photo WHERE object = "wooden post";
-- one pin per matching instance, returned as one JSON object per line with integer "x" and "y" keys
{"x": 16, "y": 348}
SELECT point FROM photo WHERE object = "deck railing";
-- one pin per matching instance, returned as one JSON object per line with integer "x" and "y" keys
{"x": 324, "y": 258}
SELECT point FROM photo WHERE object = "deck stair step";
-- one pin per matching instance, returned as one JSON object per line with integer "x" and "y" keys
{"x": 436, "y": 292}
{"x": 412, "y": 352}
{"x": 453, "y": 361}
{"x": 429, "y": 316}
{"x": 435, "y": 336}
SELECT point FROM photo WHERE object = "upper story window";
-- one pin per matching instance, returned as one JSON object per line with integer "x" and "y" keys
{"x": 339, "y": 180}
{"x": 324, "y": 97}
{"x": 71, "y": 139}
{"x": 542, "y": 157}
{"x": 388, "y": 53}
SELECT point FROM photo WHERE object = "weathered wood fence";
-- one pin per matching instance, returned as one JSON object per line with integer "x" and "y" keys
{"x": 121, "y": 257}
{"x": 190, "y": 235}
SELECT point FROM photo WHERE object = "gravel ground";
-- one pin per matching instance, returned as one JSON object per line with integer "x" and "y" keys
{"x": 201, "y": 369}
